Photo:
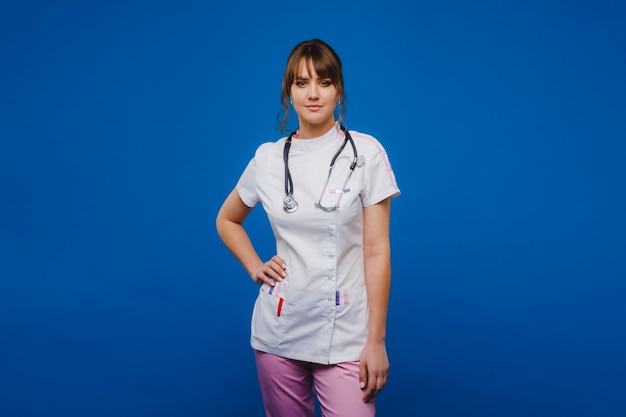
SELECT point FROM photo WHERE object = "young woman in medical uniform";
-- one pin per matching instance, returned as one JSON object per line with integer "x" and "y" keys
{"x": 319, "y": 321}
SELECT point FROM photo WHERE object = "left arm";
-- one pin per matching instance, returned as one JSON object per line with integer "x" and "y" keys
{"x": 374, "y": 368}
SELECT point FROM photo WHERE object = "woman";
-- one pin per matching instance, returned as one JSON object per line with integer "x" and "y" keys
{"x": 319, "y": 321}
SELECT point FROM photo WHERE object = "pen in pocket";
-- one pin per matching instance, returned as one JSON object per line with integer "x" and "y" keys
{"x": 280, "y": 306}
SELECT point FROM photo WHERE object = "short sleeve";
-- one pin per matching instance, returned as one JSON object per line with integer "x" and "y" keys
{"x": 380, "y": 181}
{"x": 246, "y": 186}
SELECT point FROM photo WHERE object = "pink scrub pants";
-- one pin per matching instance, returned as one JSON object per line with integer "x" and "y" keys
{"x": 289, "y": 386}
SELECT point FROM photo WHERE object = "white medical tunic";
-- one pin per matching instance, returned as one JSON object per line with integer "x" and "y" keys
{"x": 319, "y": 313}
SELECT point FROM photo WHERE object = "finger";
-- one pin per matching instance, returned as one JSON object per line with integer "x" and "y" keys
{"x": 369, "y": 394}
{"x": 268, "y": 275}
{"x": 271, "y": 271}
{"x": 363, "y": 374}
{"x": 279, "y": 261}
{"x": 278, "y": 266}
{"x": 261, "y": 275}
{"x": 376, "y": 383}
{"x": 380, "y": 383}
{"x": 275, "y": 271}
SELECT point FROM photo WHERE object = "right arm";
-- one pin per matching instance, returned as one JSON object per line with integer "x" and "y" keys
{"x": 229, "y": 224}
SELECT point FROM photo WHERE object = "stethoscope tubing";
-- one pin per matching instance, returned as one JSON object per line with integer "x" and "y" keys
{"x": 289, "y": 203}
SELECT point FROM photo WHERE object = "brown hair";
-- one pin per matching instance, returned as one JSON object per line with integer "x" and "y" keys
{"x": 326, "y": 63}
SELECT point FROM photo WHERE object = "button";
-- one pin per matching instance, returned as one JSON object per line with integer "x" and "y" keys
{"x": 328, "y": 320}
{"x": 331, "y": 256}
{"x": 330, "y": 298}
{"x": 330, "y": 277}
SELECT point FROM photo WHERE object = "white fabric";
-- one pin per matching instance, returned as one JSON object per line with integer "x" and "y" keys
{"x": 323, "y": 312}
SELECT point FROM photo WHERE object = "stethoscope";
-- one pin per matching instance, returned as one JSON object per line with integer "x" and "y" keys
{"x": 289, "y": 203}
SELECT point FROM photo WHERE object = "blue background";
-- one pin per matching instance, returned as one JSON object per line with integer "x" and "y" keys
{"x": 125, "y": 124}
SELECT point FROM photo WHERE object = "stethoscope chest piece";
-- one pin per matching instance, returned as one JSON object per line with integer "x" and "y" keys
{"x": 289, "y": 204}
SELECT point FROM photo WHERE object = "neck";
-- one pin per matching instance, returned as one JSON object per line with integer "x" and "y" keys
{"x": 308, "y": 131}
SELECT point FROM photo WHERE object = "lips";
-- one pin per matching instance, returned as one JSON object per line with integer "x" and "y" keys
{"x": 313, "y": 108}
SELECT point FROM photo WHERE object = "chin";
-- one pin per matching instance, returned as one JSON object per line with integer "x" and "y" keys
{"x": 318, "y": 121}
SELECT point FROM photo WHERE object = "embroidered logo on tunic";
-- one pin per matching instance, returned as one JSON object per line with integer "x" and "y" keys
{"x": 338, "y": 190}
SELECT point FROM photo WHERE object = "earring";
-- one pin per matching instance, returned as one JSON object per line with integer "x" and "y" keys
{"x": 339, "y": 102}
{"x": 290, "y": 101}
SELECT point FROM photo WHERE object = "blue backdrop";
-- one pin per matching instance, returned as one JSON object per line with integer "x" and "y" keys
{"x": 125, "y": 124}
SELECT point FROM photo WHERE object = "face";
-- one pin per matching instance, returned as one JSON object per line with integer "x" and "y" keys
{"x": 314, "y": 99}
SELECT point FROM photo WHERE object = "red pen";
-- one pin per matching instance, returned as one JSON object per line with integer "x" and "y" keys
{"x": 280, "y": 306}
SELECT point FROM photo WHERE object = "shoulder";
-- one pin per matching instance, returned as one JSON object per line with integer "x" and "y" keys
{"x": 270, "y": 149}
{"x": 366, "y": 143}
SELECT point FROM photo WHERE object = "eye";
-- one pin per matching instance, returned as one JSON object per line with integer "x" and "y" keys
{"x": 300, "y": 83}
{"x": 326, "y": 83}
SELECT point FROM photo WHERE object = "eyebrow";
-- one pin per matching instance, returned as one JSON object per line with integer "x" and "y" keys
{"x": 299, "y": 78}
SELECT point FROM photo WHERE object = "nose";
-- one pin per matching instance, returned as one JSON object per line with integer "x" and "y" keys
{"x": 313, "y": 91}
